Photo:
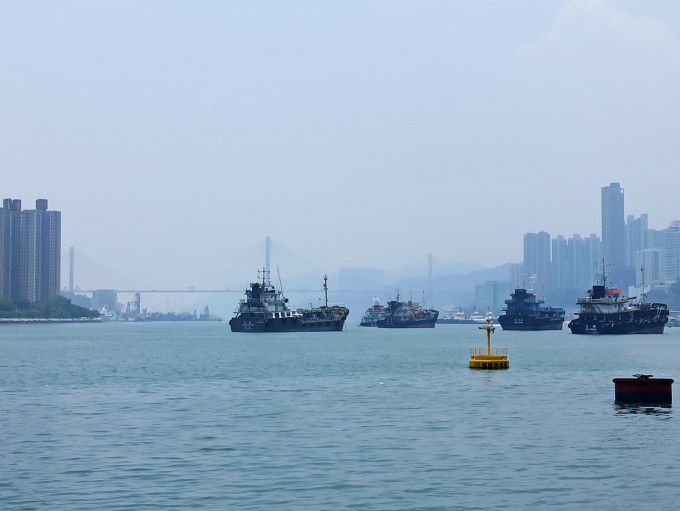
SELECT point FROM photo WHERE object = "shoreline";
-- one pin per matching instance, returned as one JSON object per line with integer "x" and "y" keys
{"x": 21, "y": 321}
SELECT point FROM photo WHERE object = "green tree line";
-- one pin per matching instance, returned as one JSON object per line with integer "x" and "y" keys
{"x": 56, "y": 307}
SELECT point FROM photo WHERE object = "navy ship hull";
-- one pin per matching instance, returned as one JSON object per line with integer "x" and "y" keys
{"x": 617, "y": 325}
{"x": 258, "y": 325}
{"x": 528, "y": 323}
{"x": 447, "y": 321}
{"x": 386, "y": 323}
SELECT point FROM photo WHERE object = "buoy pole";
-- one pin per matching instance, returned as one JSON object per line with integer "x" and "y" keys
{"x": 488, "y": 340}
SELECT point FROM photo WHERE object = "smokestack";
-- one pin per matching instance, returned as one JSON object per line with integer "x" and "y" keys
{"x": 70, "y": 280}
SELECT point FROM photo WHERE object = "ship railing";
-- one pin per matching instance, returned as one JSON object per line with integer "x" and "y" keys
{"x": 497, "y": 351}
{"x": 316, "y": 319}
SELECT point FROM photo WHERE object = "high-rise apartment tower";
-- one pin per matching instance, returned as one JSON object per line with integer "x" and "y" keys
{"x": 537, "y": 260}
{"x": 30, "y": 251}
{"x": 613, "y": 228}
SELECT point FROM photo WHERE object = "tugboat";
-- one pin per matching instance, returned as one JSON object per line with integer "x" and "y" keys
{"x": 373, "y": 314}
{"x": 524, "y": 312}
{"x": 605, "y": 311}
{"x": 407, "y": 315}
{"x": 265, "y": 309}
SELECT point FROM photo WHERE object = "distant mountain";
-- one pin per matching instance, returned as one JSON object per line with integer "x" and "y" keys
{"x": 464, "y": 281}
{"x": 459, "y": 268}
{"x": 446, "y": 289}
{"x": 406, "y": 272}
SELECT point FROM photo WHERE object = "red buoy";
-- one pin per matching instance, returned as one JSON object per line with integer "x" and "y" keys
{"x": 643, "y": 389}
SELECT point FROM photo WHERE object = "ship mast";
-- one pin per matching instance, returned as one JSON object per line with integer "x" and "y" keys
{"x": 325, "y": 287}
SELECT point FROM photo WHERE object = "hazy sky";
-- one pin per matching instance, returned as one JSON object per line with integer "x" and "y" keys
{"x": 175, "y": 136}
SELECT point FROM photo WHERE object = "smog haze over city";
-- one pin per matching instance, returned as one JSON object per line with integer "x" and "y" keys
{"x": 175, "y": 137}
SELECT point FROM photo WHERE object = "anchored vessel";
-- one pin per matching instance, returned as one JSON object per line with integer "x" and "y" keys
{"x": 455, "y": 318}
{"x": 524, "y": 311}
{"x": 407, "y": 315}
{"x": 476, "y": 317}
{"x": 264, "y": 309}
{"x": 604, "y": 311}
{"x": 373, "y": 314}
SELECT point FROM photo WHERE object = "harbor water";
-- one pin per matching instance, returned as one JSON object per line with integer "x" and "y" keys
{"x": 188, "y": 415}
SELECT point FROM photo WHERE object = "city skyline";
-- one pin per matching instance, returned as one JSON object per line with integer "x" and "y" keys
{"x": 532, "y": 265}
{"x": 549, "y": 262}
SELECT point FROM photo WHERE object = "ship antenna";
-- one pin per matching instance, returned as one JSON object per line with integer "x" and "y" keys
{"x": 280, "y": 283}
{"x": 642, "y": 270}
{"x": 325, "y": 287}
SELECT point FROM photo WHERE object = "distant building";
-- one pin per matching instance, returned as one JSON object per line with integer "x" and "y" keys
{"x": 537, "y": 260}
{"x": 560, "y": 274}
{"x": 105, "y": 298}
{"x": 613, "y": 232}
{"x": 637, "y": 238}
{"x": 649, "y": 269}
{"x": 671, "y": 246}
{"x": 491, "y": 296}
{"x": 655, "y": 238}
{"x": 30, "y": 251}
{"x": 585, "y": 254}
{"x": 575, "y": 262}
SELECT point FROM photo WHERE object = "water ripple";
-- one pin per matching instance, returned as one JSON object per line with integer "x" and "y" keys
{"x": 177, "y": 417}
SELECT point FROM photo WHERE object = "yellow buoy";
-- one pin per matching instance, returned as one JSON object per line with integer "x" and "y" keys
{"x": 489, "y": 358}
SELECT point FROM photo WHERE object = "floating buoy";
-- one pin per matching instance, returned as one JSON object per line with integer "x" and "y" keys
{"x": 643, "y": 389}
{"x": 489, "y": 358}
